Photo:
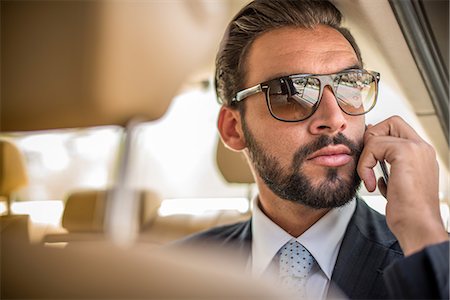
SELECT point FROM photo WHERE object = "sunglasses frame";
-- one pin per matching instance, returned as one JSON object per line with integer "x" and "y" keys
{"x": 324, "y": 79}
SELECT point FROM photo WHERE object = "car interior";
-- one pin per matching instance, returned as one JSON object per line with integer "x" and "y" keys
{"x": 109, "y": 149}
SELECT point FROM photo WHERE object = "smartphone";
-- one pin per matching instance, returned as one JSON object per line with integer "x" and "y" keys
{"x": 384, "y": 171}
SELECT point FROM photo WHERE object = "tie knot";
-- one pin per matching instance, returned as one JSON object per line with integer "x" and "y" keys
{"x": 295, "y": 260}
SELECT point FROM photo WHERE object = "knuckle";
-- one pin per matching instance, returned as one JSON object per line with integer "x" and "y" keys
{"x": 369, "y": 135}
{"x": 396, "y": 119}
{"x": 429, "y": 149}
{"x": 420, "y": 147}
{"x": 370, "y": 141}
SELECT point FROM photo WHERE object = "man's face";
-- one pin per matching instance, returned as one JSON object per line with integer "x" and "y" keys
{"x": 312, "y": 162}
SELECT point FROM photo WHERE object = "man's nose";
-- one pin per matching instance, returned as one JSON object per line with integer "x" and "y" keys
{"x": 328, "y": 118}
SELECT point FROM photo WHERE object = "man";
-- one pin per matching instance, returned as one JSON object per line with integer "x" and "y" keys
{"x": 309, "y": 148}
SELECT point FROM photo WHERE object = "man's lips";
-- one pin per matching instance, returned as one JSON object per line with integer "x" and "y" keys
{"x": 331, "y": 156}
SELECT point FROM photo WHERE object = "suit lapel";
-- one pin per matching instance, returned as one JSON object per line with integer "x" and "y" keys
{"x": 367, "y": 248}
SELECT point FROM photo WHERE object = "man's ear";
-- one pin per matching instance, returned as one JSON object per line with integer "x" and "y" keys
{"x": 230, "y": 129}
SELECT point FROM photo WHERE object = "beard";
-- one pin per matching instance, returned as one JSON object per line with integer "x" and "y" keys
{"x": 294, "y": 185}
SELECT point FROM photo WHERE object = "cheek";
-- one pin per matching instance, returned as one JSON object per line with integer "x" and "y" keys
{"x": 355, "y": 129}
{"x": 279, "y": 139}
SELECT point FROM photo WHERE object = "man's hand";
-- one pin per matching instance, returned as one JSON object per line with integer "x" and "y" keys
{"x": 412, "y": 210}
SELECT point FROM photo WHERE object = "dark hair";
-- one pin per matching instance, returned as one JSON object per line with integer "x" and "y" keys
{"x": 261, "y": 16}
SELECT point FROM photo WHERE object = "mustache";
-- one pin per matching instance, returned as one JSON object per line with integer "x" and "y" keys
{"x": 323, "y": 141}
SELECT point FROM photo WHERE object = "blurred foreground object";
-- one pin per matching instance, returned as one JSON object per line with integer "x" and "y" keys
{"x": 69, "y": 64}
{"x": 101, "y": 270}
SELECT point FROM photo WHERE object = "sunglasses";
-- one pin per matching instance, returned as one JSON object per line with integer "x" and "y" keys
{"x": 296, "y": 97}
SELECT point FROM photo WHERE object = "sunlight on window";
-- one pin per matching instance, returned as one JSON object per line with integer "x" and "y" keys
{"x": 378, "y": 203}
{"x": 198, "y": 206}
{"x": 93, "y": 144}
{"x": 51, "y": 147}
{"x": 40, "y": 212}
{"x": 97, "y": 177}
{"x": 64, "y": 160}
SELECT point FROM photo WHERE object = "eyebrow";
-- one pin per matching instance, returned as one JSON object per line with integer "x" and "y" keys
{"x": 357, "y": 66}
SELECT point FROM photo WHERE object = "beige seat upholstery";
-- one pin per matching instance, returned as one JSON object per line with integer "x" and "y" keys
{"x": 233, "y": 165}
{"x": 13, "y": 175}
{"x": 84, "y": 215}
{"x": 169, "y": 228}
{"x": 84, "y": 211}
{"x": 91, "y": 63}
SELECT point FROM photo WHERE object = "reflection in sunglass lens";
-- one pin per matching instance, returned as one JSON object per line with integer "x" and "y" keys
{"x": 309, "y": 87}
{"x": 295, "y": 100}
{"x": 288, "y": 107}
{"x": 356, "y": 92}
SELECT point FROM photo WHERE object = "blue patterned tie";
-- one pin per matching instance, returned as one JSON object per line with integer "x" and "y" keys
{"x": 295, "y": 262}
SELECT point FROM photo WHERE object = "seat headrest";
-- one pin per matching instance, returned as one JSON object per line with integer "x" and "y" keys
{"x": 233, "y": 165}
{"x": 13, "y": 173}
{"x": 85, "y": 210}
{"x": 91, "y": 63}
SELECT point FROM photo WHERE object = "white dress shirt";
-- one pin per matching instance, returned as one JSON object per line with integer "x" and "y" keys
{"x": 322, "y": 240}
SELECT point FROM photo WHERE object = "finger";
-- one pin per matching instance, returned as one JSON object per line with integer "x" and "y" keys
{"x": 366, "y": 163}
{"x": 394, "y": 126}
{"x": 382, "y": 187}
{"x": 377, "y": 148}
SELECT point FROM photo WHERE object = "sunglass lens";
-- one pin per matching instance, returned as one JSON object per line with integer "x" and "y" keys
{"x": 294, "y": 100}
{"x": 356, "y": 92}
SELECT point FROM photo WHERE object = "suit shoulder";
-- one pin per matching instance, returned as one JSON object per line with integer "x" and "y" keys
{"x": 225, "y": 234}
{"x": 422, "y": 275}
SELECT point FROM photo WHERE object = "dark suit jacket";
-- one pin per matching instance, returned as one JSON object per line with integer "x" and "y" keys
{"x": 367, "y": 249}
{"x": 423, "y": 275}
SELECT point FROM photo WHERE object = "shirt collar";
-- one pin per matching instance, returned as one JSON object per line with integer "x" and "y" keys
{"x": 323, "y": 239}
